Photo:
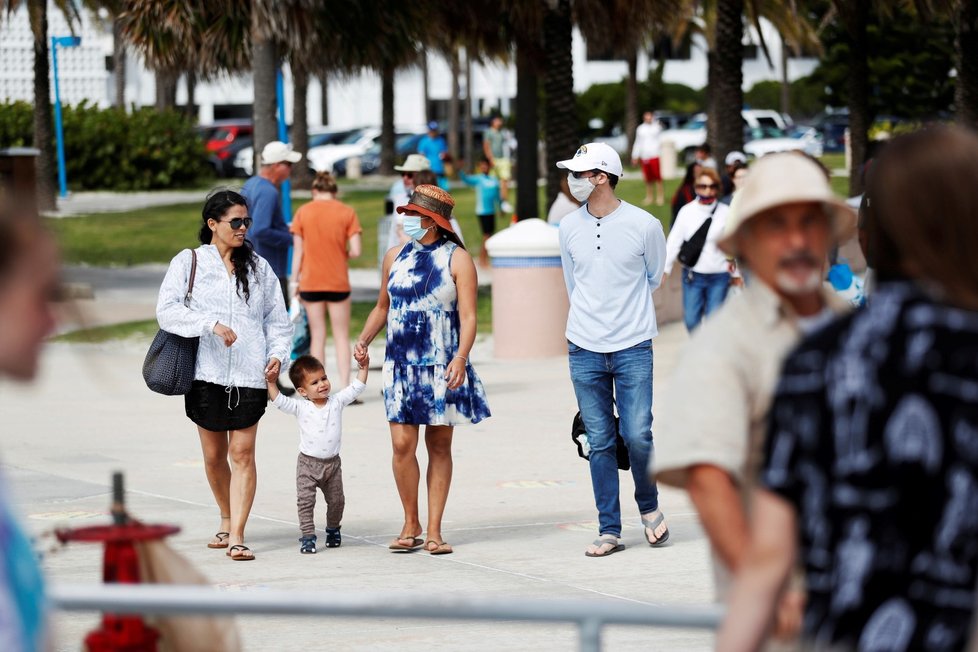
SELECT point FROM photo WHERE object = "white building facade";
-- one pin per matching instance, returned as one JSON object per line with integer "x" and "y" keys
{"x": 85, "y": 74}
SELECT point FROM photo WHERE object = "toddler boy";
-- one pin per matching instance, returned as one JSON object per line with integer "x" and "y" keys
{"x": 320, "y": 418}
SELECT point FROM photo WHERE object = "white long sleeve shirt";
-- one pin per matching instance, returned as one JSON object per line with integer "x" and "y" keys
{"x": 261, "y": 324}
{"x": 320, "y": 428}
{"x": 611, "y": 267}
{"x": 647, "y": 141}
{"x": 690, "y": 218}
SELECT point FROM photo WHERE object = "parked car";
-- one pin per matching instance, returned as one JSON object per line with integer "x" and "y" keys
{"x": 226, "y": 167}
{"x": 764, "y": 133}
{"x": 318, "y": 136}
{"x": 221, "y": 136}
{"x": 811, "y": 137}
{"x": 404, "y": 144}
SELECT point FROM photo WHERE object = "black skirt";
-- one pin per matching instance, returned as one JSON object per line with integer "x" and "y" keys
{"x": 218, "y": 408}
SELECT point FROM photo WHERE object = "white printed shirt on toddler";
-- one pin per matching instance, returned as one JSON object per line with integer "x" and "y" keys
{"x": 320, "y": 428}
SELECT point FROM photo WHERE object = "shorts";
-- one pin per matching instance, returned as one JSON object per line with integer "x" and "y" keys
{"x": 207, "y": 404}
{"x": 488, "y": 223}
{"x": 314, "y": 297}
{"x": 650, "y": 169}
{"x": 503, "y": 169}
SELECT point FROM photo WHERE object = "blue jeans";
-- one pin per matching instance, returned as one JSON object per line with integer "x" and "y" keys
{"x": 702, "y": 294}
{"x": 601, "y": 380}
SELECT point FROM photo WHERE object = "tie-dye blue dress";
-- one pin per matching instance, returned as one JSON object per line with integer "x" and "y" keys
{"x": 422, "y": 338}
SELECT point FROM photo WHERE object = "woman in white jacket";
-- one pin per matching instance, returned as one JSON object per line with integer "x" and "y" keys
{"x": 238, "y": 311}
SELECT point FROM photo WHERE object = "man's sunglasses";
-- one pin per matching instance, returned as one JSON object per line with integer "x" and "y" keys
{"x": 706, "y": 186}
{"x": 237, "y": 222}
{"x": 594, "y": 173}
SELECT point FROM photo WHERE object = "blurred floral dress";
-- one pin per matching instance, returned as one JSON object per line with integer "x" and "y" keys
{"x": 422, "y": 338}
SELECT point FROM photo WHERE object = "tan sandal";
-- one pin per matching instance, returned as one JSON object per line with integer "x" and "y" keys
{"x": 437, "y": 547}
{"x": 222, "y": 540}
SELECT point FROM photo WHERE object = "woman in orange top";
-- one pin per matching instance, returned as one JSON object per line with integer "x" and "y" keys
{"x": 326, "y": 234}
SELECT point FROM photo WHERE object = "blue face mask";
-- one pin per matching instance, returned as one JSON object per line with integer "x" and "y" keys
{"x": 413, "y": 228}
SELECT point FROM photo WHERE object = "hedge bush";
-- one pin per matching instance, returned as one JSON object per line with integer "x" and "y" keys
{"x": 110, "y": 149}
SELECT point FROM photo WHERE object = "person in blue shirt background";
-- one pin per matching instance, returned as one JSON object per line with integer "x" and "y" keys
{"x": 433, "y": 146}
{"x": 487, "y": 202}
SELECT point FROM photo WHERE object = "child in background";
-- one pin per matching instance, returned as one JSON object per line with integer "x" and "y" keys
{"x": 486, "y": 203}
{"x": 320, "y": 429}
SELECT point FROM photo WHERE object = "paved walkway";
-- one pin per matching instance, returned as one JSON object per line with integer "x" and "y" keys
{"x": 520, "y": 513}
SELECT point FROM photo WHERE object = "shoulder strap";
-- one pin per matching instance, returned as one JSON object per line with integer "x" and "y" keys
{"x": 193, "y": 273}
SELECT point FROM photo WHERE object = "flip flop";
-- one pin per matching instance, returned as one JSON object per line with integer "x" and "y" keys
{"x": 605, "y": 539}
{"x": 437, "y": 547}
{"x": 242, "y": 550}
{"x": 397, "y": 545}
{"x": 651, "y": 524}
{"x": 222, "y": 540}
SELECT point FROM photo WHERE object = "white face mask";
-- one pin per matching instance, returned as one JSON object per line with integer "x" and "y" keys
{"x": 581, "y": 189}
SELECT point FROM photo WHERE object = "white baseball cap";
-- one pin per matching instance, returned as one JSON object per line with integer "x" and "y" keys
{"x": 594, "y": 156}
{"x": 278, "y": 152}
{"x": 735, "y": 157}
{"x": 414, "y": 163}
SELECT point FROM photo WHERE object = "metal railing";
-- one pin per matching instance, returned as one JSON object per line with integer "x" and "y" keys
{"x": 590, "y": 616}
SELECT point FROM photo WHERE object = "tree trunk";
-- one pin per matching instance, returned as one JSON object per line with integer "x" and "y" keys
{"x": 470, "y": 154}
{"x": 785, "y": 82}
{"x": 387, "y": 119}
{"x": 966, "y": 94}
{"x": 191, "y": 79}
{"x": 560, "y": 110}
{"x": 631, "y": 101}
{"x": 300, "y": 124}
{"x": 527, "y": 205}
{"x": 728, "y": 94}
{"x": 264, "y": 66}
{"x": 119, "y": 64}
{"x": 426, "y": 96}
{"x": 855, "y": 17}
{"x": 323, "y": 100}
{"x": 166, "y": 89}
{"x": 453, "y": 103}
{"x": 43, "y": 135}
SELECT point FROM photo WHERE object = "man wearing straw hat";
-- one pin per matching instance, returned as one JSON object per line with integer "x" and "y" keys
{"x": 712, "y": 420}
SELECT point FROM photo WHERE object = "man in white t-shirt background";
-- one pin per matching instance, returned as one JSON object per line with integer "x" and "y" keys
{"x": 646, "y": 152}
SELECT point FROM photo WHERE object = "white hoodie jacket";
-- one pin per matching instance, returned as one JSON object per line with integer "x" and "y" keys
{"x": 261, "y": 324}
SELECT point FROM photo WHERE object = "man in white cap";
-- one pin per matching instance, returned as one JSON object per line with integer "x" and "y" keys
{"x": 268, "y": 232}
{"x": 712, "y": 421}
{"x": 612, "y": 255}
{"x": 731, "y": 163}
{"x": 399, "y": 194}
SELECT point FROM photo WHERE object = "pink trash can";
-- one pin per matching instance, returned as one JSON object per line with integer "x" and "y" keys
{"x": 529, "y": 298}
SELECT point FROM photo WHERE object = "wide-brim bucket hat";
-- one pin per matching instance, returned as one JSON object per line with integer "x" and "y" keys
{"x": 432, "y": 202}
{"x": 781, "y": 179}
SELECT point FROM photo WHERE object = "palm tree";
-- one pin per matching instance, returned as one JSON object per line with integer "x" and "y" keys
{"x": 560, "y": 107}
{"x": 966, "y": 22}
{"x": 628, "y": 26}
{"x": 37, "y": 12}
{"x": 725, "y": 78}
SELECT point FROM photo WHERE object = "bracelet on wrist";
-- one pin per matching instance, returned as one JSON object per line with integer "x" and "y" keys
{"x": 462, "y": 357}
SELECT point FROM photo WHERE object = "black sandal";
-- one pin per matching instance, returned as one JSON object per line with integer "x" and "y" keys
{"x": 242, "y": 549}
{"x": 307, "y": 545}
{"x": 333, "y": 538}
{"x": 222, "y": 540}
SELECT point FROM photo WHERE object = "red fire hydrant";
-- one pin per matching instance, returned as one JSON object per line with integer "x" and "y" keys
{"x": 120, "y": 565}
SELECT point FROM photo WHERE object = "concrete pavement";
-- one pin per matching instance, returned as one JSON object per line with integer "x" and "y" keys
{"x": 519, "y": 516}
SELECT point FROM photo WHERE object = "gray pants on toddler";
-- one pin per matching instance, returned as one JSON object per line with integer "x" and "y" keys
{"x": 312, "y": 473}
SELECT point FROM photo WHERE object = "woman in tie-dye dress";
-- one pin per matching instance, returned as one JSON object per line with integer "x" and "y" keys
{"x": 429, "y": 308}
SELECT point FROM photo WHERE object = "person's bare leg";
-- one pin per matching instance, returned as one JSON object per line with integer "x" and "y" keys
{"x": 438, "y": 440}
{"x": 215, "y": 448}
{"x": 661, "y": 193}
{"x": 407, "y": 475}
{"x": 244, "y": 479}
{"x": 316, "y": 315}
{"x": 339, "y": 319}
{"x": 649, "y": 197}
{"x": 483, "y": 254}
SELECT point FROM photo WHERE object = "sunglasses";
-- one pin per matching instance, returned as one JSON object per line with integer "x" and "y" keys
{"x": 706, "y": 186}
{"x": 238, "y": 222}
{"x": 593, "y": 173}
{"x": 407, "y": 175}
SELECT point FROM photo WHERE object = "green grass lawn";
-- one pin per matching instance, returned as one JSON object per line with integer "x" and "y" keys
{"x": 155, "y": 235}
{"x": 146, "y": 329}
